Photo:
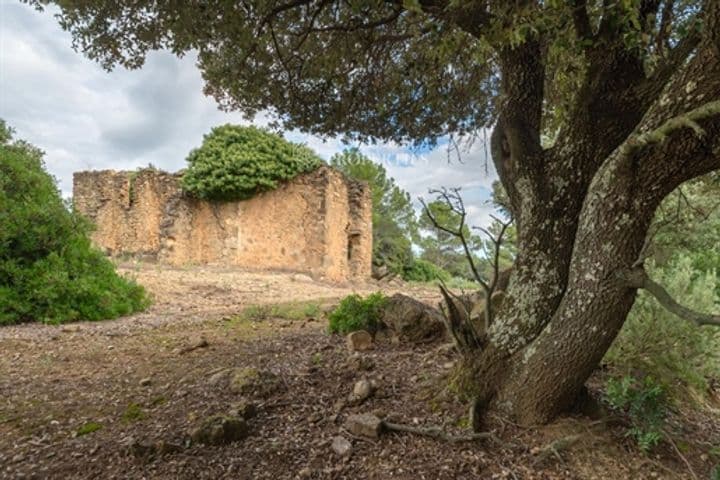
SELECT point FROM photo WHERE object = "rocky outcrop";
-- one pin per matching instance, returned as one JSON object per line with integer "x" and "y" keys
{"x": 411, "y": 320}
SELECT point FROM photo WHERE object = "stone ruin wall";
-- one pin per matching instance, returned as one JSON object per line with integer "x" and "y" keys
{"x": 320, "y": 223}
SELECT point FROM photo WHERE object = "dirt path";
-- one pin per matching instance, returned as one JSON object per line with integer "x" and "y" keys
{"x": 192, "y": 295}
{"x": 134, "y": 382}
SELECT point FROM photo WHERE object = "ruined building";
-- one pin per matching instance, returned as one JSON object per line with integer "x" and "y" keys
{"x": 320, "y": 223}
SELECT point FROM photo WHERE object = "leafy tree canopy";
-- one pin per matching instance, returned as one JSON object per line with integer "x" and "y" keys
{"x": 400, "y": 70}
{"x": 49, "y": 272}
{"x": 235, "y": 163}
{"x": 394, "y": 223}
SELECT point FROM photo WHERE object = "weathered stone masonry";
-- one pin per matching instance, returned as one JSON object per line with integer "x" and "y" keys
{"x": 319, "y": 223}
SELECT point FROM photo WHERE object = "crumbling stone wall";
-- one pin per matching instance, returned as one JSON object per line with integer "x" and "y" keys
{"x": 319, "y": 223}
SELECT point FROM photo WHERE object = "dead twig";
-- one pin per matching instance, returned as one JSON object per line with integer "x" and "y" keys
{"x": 679, "y": 454}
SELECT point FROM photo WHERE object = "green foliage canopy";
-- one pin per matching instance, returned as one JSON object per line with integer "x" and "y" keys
{"x": 49, "y": 271}
{"x": 235, "y": 163}
{"x": 425, "y": 69}
{"x": 393, "y": 217}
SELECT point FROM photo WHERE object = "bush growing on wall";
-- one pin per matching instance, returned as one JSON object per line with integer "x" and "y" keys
{"x": 235, "y": 163}
{"x": 49, "y": 271}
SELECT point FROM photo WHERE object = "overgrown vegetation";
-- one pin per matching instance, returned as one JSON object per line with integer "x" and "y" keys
{"x": 421, "y": 270}
{"x": 235, "y": 163}
{"x": 684, "y": 255}
{"x": 357, "y": 313}
{"x": 49, "y": 271}
{"x": 645, "y": 403}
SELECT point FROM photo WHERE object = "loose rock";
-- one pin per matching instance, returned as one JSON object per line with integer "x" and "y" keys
{"x": 364, "y": 425}
{"x": 254, "y": 383}
{"x": 220, "y": 430}
{"x": 145, "y": 382}
{"x": 411, "y": 320}
{"x": 359, "y": 341}
{"x": 341, "y": 446}
{"x": 362, "y": 390}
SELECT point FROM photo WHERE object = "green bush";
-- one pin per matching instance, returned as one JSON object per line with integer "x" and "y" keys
{"x": 235, "y": 163}
{"x": 424, "y": 271}
{"x": 357, "y": 313}
{"x": 657, "y": 343}
{"x": 645, "y": 403}
{"x": 49, "y": 271}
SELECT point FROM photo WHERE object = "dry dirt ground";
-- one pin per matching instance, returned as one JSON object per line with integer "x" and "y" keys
{"x": 135, "y": 381}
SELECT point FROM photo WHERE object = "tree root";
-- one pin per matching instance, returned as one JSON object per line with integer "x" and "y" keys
{"x": 555, "y": 447}
{"x": 438, "y": 434}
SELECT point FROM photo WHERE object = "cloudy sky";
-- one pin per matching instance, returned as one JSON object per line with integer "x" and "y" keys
{"x": 86, "y": 118}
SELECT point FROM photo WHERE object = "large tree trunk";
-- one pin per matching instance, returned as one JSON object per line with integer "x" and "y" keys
{"x": 579, "y": 234}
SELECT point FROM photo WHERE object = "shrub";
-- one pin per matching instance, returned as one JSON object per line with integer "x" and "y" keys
{"x": 357, "y": 313}
{"x": 235, "y": 163}
{"x": 645, "y": 403}
{"x": 49, "y": 270}
{"x": 424, "y": 271}
{"x": 670, "y": 349}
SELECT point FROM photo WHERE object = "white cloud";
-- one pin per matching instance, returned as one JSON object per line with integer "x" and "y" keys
{"x": 86, "y": 118}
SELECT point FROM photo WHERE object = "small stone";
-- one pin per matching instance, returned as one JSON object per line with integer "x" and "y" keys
{"x": 220, "y": 430}
{"x": 305, "y": 473}
{"x": 364, "y": 425}
{"x": 363, "y": 389}
{"x": 145, "y": 382}
{"x": 359, "y": 341}
{"x": 341, "y": 446}
{"x": 448, "y": 365}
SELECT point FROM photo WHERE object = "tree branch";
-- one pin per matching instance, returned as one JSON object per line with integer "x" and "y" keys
{"x": 638, "y": 278}
{"x": 581, "y": 20}
{"x": 686, "y": 120}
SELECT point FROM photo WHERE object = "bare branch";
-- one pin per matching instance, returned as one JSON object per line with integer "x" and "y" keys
{"x": 454, "y": 201}
{"x": 638, "y": 278}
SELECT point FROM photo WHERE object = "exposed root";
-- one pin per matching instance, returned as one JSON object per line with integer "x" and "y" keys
{"x": 438, "y": 434}
{"x": 555, "y": 447}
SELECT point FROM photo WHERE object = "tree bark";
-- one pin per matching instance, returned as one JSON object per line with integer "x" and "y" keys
{"x": 579, "y": 234}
